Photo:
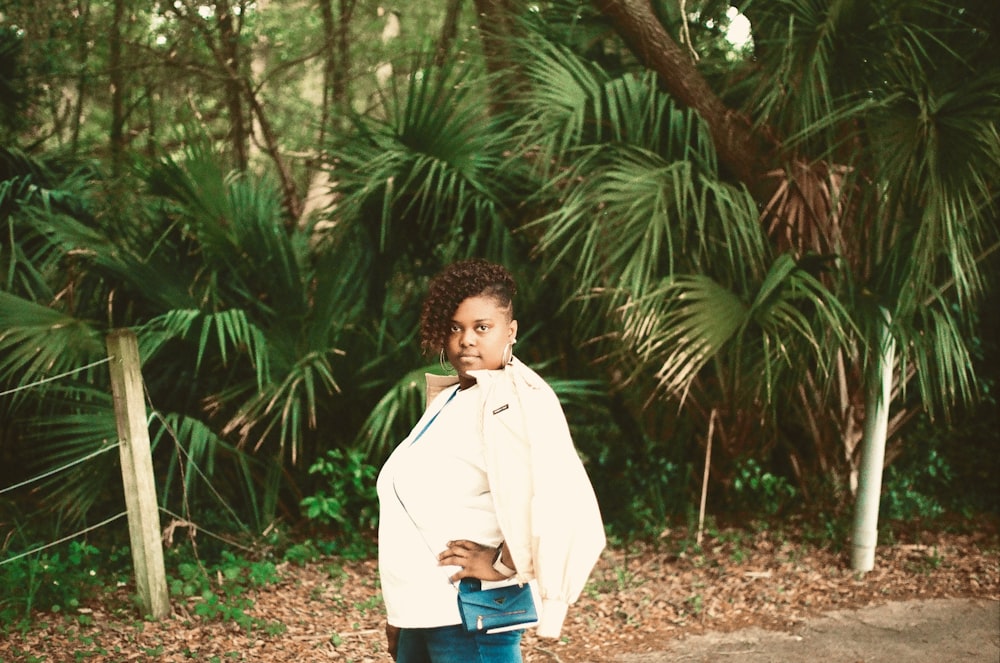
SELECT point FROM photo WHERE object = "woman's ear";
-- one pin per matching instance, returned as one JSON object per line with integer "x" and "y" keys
{"x": 512, "y": 332}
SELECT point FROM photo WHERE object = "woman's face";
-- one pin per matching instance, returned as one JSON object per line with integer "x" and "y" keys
{"x": 478, "y": 337}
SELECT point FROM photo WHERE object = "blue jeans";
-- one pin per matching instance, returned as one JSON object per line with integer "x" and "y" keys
{"x": 453, "y": 644}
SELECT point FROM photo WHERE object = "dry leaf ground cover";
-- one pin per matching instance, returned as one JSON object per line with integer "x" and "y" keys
{"x": 639, "y": 599}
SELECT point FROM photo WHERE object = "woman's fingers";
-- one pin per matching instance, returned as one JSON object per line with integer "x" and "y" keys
{"x": 474, "y": 559}
{"x": 462, "y": 550}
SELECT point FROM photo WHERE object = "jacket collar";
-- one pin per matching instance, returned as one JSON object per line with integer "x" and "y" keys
{"x": 438, "y": 383}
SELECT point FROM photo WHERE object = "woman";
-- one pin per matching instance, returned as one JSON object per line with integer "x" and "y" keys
{"x": 487, "y": 486}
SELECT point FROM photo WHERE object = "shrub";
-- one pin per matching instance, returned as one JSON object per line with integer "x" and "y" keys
{"x": 348, "y": 502}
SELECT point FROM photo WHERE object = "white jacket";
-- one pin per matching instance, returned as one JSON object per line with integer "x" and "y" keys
{"x": 544, "y": 501}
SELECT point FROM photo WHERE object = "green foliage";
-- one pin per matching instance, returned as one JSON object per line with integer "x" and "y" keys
{"x": 921, "y": 484}
{"x": 638, "y": 503}
{"x": 397, "y": 410}
{"x": 348, "y": 501}
{"x": 755, "y": 490}
{"x": 306, "y": 551}
{"x": 424, "y": 181}
{"x": 222, "y": 588}
{"x": 911, "y": 494}
{"x": 56, "y": 580}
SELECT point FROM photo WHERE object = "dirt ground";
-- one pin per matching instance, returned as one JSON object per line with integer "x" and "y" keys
{"x": 932, "y": 631}
{"x": 752, "y": 597}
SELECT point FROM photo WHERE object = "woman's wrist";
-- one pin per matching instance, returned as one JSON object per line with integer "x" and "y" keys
{"x": 502, "y": 566}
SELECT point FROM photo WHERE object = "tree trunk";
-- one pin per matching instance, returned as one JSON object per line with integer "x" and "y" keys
{"x": 342, "y": 70}
{"x": 76, "y": 119}
{"x": 289, "y": 192}
{"x": 117, "y": 80}
{"x": 748, "y": 155}
{"x": 865, "y": 532}
{"x": 329, "y": 68}
{"x": 497, "y": 24}
{"x": 229, "y": 41}
{"x": 448, "y": 31}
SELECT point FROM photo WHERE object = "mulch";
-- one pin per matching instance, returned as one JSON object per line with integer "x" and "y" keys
{"x": 639, "y": 598}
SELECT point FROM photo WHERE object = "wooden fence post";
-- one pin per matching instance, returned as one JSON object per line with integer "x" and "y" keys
{"x": 137, "y": 473}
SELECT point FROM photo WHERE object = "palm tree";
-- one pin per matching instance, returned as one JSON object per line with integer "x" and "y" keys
{"x": 852, "y": 171}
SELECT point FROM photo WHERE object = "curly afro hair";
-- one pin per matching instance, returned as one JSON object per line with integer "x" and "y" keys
{"x": 456, "y": 283}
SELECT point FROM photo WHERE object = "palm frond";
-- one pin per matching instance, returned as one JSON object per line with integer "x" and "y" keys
{"x": 33, "y": 192}
{"x": 115, "y": 257}
{"x": 78, "y": 421}
{"x": 632, "y": 203}
{"x": 37, "y": 342}
{"x": 433, "y": 172}
{"x": 561, "y": 109}
{"x": 287, "y": 407}
{"x": 629, "y": 218}
{"x": 678, "y": 327}
{"x": 794, "y": 325}
{"x": 939, "y": 154}
{"x": 221, "y": 334}
{"x": 937, "y": 349}
{"x": 394, "y": 414}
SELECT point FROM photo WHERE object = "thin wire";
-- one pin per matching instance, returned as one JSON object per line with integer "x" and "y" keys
{"x": 60, "y": 469}
{"x": 181, "y": 520}
{"x": 63, "y": 540}
{"x": 55, "y": 377}
{"x": 181, "y": 451}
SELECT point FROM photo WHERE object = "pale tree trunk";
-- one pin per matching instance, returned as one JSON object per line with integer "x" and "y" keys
{"x": 864, "y": 535}
{"x": 391, "y": 29}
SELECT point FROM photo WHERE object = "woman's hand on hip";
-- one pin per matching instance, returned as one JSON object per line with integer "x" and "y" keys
{"x": 475, "y": 560}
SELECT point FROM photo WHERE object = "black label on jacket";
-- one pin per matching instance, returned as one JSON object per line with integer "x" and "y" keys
{"x": 501, "y": 408}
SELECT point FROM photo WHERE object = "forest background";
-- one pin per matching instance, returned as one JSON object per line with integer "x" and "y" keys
{"x": 716, "y": 214}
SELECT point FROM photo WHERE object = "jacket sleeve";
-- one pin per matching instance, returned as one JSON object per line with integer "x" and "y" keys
{"x": 567, "y": 529}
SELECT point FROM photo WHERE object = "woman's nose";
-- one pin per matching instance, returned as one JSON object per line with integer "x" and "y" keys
{"x": 468, "y": 338}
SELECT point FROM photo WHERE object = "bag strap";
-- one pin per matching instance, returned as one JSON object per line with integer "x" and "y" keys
{"x": 400, "y": 499}
{"x": 431, "y": 421}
